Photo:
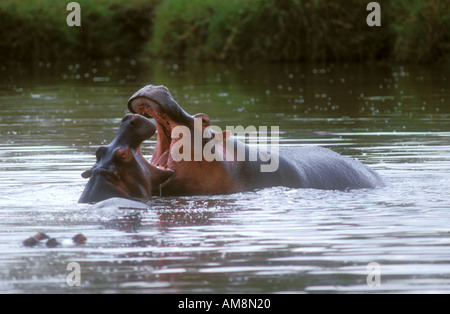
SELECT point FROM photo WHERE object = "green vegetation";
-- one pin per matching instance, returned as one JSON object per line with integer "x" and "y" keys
{"x": 37, "y": 30}
{"x": 223, "y": 30}
{"x": 265, "y": 29}
{"x": 423, "y": 30}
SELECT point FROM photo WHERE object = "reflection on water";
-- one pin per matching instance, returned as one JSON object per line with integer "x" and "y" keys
{"x": 273, "y": 240}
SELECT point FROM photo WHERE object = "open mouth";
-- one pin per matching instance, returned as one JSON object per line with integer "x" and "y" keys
{"x": 162, "y": 158}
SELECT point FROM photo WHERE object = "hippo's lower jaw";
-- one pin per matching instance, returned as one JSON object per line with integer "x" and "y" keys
{"x": 100, "y": 188}
{"x": 157, "y": 102}
{"x": 162, "y": 158}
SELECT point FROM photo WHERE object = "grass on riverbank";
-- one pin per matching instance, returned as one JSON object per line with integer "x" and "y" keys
{"x": 37, "y": 30}
{"x": 223, "y": 30}
{"x": 289, "y": 30}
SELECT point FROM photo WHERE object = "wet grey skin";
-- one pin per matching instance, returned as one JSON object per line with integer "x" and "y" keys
{"x": 120, "y": 169}
{"x": 299, "y": 167}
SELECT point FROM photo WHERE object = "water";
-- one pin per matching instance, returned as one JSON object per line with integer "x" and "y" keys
{"x": 276, "y": 240}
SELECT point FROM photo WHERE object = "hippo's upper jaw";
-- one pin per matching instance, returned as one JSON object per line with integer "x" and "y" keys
{"x": 156, "y": 102}
{"x": 121, "y": 170}
{"x": 163, "y": 103}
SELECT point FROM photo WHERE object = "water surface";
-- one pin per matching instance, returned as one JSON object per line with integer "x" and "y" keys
{"x": 277, "y": 240}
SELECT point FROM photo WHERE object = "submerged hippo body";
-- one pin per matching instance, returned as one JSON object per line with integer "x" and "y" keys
{"x": 322, "y": 168}
{"x": 121, "y": 170}
{"x": 299, "y": 167}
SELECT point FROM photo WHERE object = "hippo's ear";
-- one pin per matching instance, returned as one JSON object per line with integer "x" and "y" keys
{"x": 205, "y": 119}
{"x": 87, "y": 174}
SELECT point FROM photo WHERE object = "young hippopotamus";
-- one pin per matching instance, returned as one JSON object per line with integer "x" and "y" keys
{"x": 121, "y": 170}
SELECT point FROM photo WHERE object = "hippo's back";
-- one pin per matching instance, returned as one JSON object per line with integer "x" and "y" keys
{"x": 321, "y": 168}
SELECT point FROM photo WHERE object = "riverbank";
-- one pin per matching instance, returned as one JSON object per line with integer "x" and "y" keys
{"x": 413, "y": 31}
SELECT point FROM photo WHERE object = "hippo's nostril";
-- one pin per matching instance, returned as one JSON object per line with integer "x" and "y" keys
{"x": 127, "y": 117}
{"x": 109, "y": 174}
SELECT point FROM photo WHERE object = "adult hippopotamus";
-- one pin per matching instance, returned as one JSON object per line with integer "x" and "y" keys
{"x": 121, "y": 170}
{"x": 297, "y": 167}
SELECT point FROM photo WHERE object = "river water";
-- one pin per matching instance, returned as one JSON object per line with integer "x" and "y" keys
{"x": 394, "y": 118}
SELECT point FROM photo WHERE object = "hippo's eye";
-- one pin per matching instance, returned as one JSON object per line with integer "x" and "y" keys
{"x": 123, "y": 154}
{"x": 101, "y": 151}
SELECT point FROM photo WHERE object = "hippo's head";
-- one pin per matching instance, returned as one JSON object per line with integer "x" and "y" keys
{"x": 157, "y": 102}
{"x": 121, "y": 170}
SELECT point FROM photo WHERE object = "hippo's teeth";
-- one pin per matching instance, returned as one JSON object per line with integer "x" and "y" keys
{"x": 163, "y": 159}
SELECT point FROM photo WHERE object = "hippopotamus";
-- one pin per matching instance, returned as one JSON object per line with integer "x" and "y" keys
{"x": 298, "y": 167}
{"x": 121, "y": 170}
